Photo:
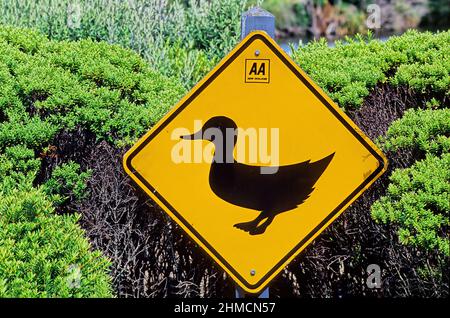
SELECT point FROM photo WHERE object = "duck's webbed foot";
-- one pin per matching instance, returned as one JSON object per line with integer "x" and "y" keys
{"x": 246, "y": 226}
{"x": 254, "y": 227}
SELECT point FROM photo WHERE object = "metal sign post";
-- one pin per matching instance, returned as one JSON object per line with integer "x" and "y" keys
{"x": 239, "y": 293}
{"x": 257, "y": 19}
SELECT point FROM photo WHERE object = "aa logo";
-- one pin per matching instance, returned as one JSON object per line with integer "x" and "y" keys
{"x": 257, "y": 71}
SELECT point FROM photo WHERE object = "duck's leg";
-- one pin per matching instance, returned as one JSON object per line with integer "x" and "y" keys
{"x": 262, "y": 228}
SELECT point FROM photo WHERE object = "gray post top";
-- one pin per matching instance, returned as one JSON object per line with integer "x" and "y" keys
{"x": 256, "y": 19}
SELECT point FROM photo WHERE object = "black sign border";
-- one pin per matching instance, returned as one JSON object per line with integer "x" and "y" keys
{"x": 193, "y": 96}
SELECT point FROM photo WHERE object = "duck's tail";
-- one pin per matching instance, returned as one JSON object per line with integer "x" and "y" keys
{"x": 321, "y": 165}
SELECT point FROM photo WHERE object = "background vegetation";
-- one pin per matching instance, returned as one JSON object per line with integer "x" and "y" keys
{"x": 183, "y": 39}
{"x": 336, "y": 18}
{"x": 350, "y": 70}
{"x": 72, "y": 224}
{"x": 49, "y": 88}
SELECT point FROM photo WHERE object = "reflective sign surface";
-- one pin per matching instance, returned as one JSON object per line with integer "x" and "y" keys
{"x": 254, "y": 162}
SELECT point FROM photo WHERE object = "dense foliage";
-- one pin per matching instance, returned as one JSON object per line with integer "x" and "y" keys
{"x": 47, "y": 88}
{"x": 417, "y": 199}
{"x": 67, "y": 183}
{"x": 43, "y": 254}
{"x": 424, "y": 130}
{"x": 350, "y": 70}
{"x": 180, "y": 40}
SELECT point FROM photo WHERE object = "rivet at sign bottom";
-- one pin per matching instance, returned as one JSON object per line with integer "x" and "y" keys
{"x": 252, "y": 272}
{"x": 257, "y": 52}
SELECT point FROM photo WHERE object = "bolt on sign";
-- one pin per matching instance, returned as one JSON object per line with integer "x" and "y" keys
{"x": 255, "y": 162}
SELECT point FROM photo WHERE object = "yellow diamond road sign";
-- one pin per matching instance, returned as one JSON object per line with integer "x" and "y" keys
{"x": 254, "y": 162}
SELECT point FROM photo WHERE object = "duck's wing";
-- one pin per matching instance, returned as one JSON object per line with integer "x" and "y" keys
{"x": 289, "y": 186}
{"x": 248, "y": 186}
{"x": 303, "y": 170}
{"x": 275, "y": 175}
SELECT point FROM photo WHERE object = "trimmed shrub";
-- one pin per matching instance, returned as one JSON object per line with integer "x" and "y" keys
{"x": 52, "y": 86}
{"x": 46, "y": 255}
{"x": 425, "y": 64}
{"x": 348, "y": 71}
{"x": 417, "y": 201}
{"x": 67, "y": 183}
{"x": 18, "y": 167}
{"x": 424, "y": 130}
{"x": 50, "y": 89}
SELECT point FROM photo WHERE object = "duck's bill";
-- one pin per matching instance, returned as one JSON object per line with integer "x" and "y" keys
{"x": 194, "y": 136}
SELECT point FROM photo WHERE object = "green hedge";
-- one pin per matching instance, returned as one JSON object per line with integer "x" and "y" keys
{"x": 46, "y": 255}
{"x": 47, "y": 88}
{"x": 104, "y": 88}
{"x": 424, "y": 130}
{"x": 42, "y": 254}
{"x": 417, "y": 201}
{"x": 67, "y": 183}
{"x": 418, "y": 198}
{"x": 350, "y": 70}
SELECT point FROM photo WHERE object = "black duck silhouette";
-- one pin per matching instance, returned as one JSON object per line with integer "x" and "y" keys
{"x": 246, "y": 186}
